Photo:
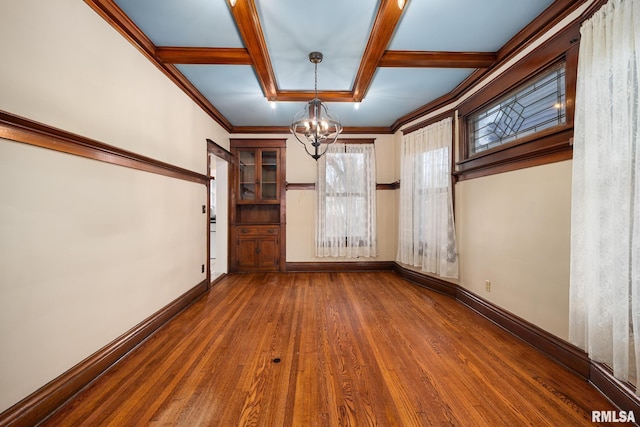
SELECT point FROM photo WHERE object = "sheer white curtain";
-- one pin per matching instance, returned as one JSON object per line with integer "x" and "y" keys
{"x": 427, "y": 237}
{"x": 346, "y": 202}
{"x": 605, "y": 212}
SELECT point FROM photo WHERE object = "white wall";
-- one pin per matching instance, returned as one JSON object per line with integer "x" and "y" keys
{"x": 89, "y": 249}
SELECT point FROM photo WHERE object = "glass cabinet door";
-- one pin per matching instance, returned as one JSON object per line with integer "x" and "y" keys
{"x": 247, "y": 175}
{"x": 269, "y": 175}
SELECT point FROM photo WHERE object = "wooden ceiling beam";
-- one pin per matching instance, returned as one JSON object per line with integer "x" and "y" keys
{"x": 384, "y": 26}
{"x": 203, "y": 55}
{"x": 308, "y": 95}
{"x": 416, "y": 59}
{"x": 282, "y": 130}
{"x": 246, "y": 16}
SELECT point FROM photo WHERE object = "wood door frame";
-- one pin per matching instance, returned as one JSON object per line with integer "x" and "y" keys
{"x": 223, "y": 154}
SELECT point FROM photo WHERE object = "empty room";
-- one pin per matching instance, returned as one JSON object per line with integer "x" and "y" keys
{"x": 296, "y": 213}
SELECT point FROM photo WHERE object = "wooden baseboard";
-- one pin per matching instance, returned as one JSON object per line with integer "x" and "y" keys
{"x": 557, "y": 349}
{"x": 217, "y": 279}
{"x": 564, "y": 353}
{"x": 615, "y": 390}
{"x": 310, "y": 267}
{"x": 553, "y": 347}
{"x": 429, "y": 282}
{"x": 43, "y": 402}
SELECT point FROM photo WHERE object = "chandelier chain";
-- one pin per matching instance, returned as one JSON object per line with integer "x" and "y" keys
{"x": 316, "y": 80}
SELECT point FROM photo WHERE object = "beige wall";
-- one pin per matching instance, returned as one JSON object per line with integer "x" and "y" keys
{"x": 301, "y": 168}
{"x": 514, "y": 230}
{"x": 89, "y": 249}
{"x": 301, "y": 203}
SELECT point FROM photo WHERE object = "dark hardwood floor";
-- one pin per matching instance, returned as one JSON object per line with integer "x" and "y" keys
{"x": 332, "y": 349}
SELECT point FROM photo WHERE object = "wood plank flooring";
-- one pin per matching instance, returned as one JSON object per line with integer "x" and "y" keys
{"x": 332, "y": 349}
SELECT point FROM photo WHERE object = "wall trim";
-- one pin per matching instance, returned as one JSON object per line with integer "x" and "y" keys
{"x": 43, "y": 402}
{"x": 217, "y": 280}
{"x": 426, "y": 281}
{"x": 219, "y": 151}
{"x": 329, "y": 266}
{"x": 615, "y": 390}
{"x": 20, "y": 129}
{"x": 557, "y": 349}
{"x": 312, "y": 186}
{"x": 299, "y": 186}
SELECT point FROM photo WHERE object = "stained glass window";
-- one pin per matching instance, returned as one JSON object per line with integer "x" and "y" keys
{"x": 538, "y": 105}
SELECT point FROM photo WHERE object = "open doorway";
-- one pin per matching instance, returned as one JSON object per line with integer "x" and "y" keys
{"x": 218, "y": 212}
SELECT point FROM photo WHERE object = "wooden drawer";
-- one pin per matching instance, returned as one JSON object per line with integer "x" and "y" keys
{"x": 257, "y": 230}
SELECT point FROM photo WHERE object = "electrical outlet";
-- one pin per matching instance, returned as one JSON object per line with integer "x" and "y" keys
{"x": 202, "y": 268}
{"x": 204, "y": 209}
{"x": 487, "y": 285}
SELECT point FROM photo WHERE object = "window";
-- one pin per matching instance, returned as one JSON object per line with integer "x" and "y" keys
{"x": 522, "y": 117}
{"x": 346, "y": 220}
{"x": 539, "y": 105}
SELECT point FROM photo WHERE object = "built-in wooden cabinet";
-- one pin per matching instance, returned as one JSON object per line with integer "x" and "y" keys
{"x": 257, "y": 204}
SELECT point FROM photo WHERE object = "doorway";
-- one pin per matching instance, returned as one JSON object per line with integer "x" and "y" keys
{"x": 218, "y": 212}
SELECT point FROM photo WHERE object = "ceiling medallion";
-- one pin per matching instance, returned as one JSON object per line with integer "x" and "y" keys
{"x": 314, "y": 124}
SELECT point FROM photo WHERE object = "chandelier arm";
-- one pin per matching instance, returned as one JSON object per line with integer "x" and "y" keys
{"x": 305, "y": 146}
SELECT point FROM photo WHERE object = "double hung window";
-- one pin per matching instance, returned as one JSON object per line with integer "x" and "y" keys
{"x": 346, "y": 202}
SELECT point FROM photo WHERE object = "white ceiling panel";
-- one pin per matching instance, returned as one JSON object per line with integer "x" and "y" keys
{"x": 401, "y": 90}
{"x": 194, "y": 23}
{"x": 463, "y": 25}
{"x": 235, "y": 92}
{"x": 340, "y": 30}
{"x": 337, "y": 28}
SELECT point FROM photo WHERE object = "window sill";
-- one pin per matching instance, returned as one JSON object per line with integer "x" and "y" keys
{"x": 553, "y": 147}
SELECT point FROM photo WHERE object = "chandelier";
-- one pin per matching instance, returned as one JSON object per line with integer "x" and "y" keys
{"x": 314, "y": 124}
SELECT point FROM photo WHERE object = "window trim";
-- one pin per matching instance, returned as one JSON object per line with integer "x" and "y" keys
{"x": 547, "y": 146}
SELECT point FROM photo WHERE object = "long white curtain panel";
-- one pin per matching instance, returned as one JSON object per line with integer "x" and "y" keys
{"x": 346, "y": 202}
{"x": 426, "y": 235}
{"x": 605, "y": 212}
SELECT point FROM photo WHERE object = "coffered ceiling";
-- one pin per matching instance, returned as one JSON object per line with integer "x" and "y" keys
{"x": 382, "y": 67}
